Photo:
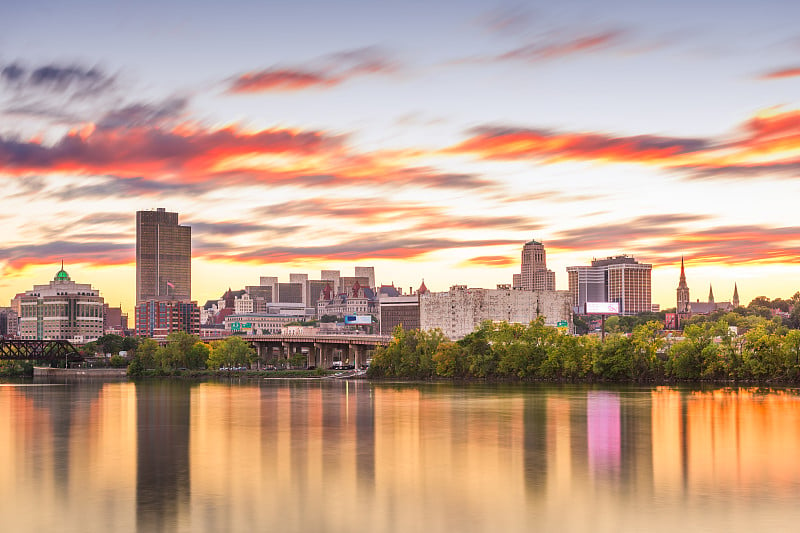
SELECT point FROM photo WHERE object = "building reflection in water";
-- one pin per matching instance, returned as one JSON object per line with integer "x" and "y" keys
{"x": 355, "y": 456}
{"x": 163, "y": 414}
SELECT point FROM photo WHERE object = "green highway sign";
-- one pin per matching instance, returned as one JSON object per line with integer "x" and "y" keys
{"x": 562, "y": 324}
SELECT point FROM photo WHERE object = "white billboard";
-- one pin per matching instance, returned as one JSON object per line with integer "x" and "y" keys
{"x": 358, "y": 319}
{"x": 602, "y": 308}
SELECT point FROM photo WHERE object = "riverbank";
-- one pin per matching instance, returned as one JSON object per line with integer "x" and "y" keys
{"x": 47, "y": 372}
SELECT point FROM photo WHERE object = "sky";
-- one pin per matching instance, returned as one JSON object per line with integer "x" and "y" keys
{"x": 427, "y": 139}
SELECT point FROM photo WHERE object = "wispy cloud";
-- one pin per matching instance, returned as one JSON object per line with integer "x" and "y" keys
{"x": 552, "y": 46}
{"x": 17, "y": 258}
{"x": 508, "y": 143}
{"x": 75, "y": 79}
{"x": 323, "y": 73}
{"x": 492, "y": 261}
{"x": 788, "y": 72}
{"x": 373, "y": 246}
{"x": 767, "y": 142}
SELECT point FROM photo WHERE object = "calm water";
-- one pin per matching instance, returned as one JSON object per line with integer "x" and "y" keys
{"x": 297, "y": 456}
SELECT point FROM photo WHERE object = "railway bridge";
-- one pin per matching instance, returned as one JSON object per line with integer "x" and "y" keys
{"x": 38, "y": 350}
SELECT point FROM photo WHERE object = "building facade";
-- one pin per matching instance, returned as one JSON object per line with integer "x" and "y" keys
{"x": 159, "y": 318}
{"x": 619, "y": 279}
{"x": 9, "y": 322}
{"x": 534, "y": 275}
{"x": 461, "y": 310}
{"x": 163, "y": 257}
{"x": 61, "y": 310}
{"x": 396, "y": 311}
{"x": 259, "y": 323}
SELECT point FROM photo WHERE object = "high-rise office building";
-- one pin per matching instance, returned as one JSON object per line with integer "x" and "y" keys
{"x": 163, "y": 257}
{"x": 534, "y": 275}
{"x": 619, "y": 279}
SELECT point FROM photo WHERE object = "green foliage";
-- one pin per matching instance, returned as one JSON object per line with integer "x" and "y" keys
{"x": 117, "y": 361}
{"x": 707, "y": 350}
{"x": 410, "y": 354}
{"x": 16, "y": 369}
{"x": 231, "y": 352}
{"x": 110, "y": 343}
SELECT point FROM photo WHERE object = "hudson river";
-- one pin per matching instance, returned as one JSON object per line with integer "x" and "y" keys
{"x": 335, "y": 456}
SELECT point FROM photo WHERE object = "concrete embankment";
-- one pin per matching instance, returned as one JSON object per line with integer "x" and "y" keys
{"x": 39, "y": 371}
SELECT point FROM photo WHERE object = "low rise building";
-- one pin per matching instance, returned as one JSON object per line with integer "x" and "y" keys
{"x": 159, "y": 318}
{"x": 461, "y": 310}
{"x": 259, "y": 323}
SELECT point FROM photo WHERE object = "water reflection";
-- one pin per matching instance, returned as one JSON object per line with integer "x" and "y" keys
{"x": 351, "y": 456}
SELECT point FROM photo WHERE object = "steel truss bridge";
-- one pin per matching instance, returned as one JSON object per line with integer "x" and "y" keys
{"x": 36, "y": 350}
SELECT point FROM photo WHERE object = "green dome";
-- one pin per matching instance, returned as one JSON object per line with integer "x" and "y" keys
{"x": 62, "y": 275}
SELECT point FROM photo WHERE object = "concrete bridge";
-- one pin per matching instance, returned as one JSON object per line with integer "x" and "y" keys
{"x": 319, "y": 350}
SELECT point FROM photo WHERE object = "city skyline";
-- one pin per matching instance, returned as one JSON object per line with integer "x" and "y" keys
{"x": 428, "y": 141}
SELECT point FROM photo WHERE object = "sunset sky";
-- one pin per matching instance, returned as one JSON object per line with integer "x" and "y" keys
{"x": 427, "y": 139}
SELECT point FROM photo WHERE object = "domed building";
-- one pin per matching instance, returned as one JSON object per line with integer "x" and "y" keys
{"x": 60, "y": 310}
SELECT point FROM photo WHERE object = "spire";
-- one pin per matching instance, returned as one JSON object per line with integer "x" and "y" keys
{"x": 422, "y": 288}
{"x": 683, "y": 291}
{"x": 735, "y": 296}
{"x": 710, "y": 294}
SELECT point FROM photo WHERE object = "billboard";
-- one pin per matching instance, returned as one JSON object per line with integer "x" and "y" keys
{"x": 602, "y": 308}
{"x": 358, "y": 319}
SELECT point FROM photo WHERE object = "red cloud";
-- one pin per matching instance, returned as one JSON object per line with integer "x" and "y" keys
{"x": 280, "y": 80}
{"x": 781, "y": 73}
{"x": 510, "y": 143}
{"x": 325, "y": 72}
{"x": 192, "y": 155}
{"x": 769, "y": 141}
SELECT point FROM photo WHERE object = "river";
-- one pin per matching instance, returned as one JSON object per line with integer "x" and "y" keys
{"x": 353, "y": 456}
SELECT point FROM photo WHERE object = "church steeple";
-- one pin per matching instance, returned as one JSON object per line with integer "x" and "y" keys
{"x": 710, "y": 294}
{"x": 683, "y": 292}
{"x": 735, "y": 301}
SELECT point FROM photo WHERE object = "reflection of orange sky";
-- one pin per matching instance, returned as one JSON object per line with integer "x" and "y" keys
{"x": 43, "y": 494}
{"x": 734, "y": 440}
{"x": 429, "y": 458}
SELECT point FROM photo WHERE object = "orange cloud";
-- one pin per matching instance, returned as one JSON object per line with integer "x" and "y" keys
{"x": 492, "y": 261}
{"x": 781, "y": 73}
{"x": 769, "y": 141}
{"x": 519, "y": 143}
{"x": 324, "y": 73}
{"x": 280, "y": 80}
{"x": 188, "y": 154}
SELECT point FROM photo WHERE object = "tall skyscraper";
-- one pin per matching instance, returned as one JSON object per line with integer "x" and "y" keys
{"x": 619, "y": 279}
{"x": 534, "y": 275}
{"x": 163, "y": 257}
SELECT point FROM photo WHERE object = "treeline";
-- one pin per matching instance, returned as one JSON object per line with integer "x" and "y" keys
{"x": 709, "y": 351}
{"x": 187, "y": 352}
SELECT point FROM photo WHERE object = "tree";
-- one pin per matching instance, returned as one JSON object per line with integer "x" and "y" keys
{"x": 449, "y": 360}
{"x": 231, "y": 352}
{"x": 177, "y": 353}
{"x": 111, "y": 343}
{"x": 147, "y": 352}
